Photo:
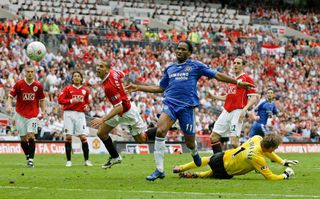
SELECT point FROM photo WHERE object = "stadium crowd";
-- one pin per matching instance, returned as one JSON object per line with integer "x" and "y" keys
{"x": 294, "y": 75}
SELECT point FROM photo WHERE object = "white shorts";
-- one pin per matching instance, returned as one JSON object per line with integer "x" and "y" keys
{"x": 26, "y": 125}
{"x": 75, "y": 123}
{"x": 228, "y": 123}
{"x": 130, "y": 119}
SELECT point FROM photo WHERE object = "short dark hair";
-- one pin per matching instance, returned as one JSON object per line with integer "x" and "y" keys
{"x": 190, "y": 46}
{"x": 271, "y": 140}
{"x": 243, "y": 61}
{"x": 105, "y": 64}
{"x": 74, "y": 72}
{"x": 270, "y": 89}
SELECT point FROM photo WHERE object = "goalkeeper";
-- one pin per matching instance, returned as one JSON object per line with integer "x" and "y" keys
{"x": 247, "y": 157}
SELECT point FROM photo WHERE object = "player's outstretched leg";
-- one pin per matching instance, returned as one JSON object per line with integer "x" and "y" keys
{"x": 215, "y": 142}
{"x": 192, "y": 145}
{"x": 197, "y": 159}
{"x": 190, "y": 165}
{"x": 159, "y": 149}
{"x": 188, "y": 175}
{"x": 151, "y": 134}
{"x": 114, "y": 158}
{"x": 103, "y": 134}
{"x": 111, "y": 162}
{"x": 155, "y": 175}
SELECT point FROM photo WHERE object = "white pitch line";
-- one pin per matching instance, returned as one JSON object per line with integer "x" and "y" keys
{"x": 166, "y": 192}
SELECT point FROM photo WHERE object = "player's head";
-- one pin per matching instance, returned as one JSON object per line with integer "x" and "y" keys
{"x": 30, "y": 72}
{"x": 103, "y": 68}
{"x": 238, "y": 64}
{"x": 184, "y": 50}
{"x": 270, "y": 142}
{"x": 77, "y": 78}
{"x": 270, "y": 94}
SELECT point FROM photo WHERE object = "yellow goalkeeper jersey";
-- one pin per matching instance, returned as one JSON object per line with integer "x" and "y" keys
{"x": 249, "y": 156}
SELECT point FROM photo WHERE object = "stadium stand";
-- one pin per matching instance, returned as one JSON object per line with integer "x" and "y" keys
{"x": 130, "y": 35}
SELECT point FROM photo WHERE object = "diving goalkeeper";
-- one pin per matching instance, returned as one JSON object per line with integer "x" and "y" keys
{"x": 247, "y": 157}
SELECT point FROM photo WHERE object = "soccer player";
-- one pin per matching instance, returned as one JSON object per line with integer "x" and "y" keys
{"x": 247, "y": 157}
{"x": 237, "y": 101}
{"x": 179, "y": 84}
{"x": 122, "y": 112}
{"x": 29, "y": 94}
{"x": 75, "y": 101}
{"x": 265, "y": 109}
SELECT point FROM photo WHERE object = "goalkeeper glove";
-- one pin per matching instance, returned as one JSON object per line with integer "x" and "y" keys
{"x": 288, "y": 172}
{"x": 290, "y": 163}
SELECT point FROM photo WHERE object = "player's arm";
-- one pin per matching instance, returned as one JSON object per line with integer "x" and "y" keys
{"x": 252, "y": 101}
{"x": 12, "y": 94}
{"x": 86, "y": 101}
{"x": 226, "y": 78}
{"x": 63, "y": 99}
{"x": 217, "y": 97}
{"x": 205, "y": 174}
{"x": 261, "y": 166}
{"x": 145, "y": 88}
{"x": 274, "y": 157}
{"x": 9, "y": 104}
{"x": 43, "y": 106}
{"x": 253, "y": 114}
{"x": 117, "y": 109}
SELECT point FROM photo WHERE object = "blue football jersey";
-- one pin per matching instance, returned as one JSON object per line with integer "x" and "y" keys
{"x": 180, "y": 82}
{"x": 265, "y": 109}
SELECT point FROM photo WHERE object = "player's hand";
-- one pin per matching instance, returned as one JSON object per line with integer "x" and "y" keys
{"x": 95, "y": 123}
{"x": 86, "y": 108}
{"x": 246, "y": 84}
{"x": 290, "y": 163}
{"x": 210, "y": 93}
{"x": 242, "y": 116}
{"x": 188, "y": 175}
{"x": 9, "y": 109}
{"x": 131, "y": 88}
{"x": 288, "y": 172}
{"x": 256, "y": 118}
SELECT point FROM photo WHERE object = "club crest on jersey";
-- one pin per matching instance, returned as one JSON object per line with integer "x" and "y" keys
{"x": 84, "y": 92}
{"x": 188, "y": 69}
{"x": 35, "y": 88}
{"x": 165, "y": 107}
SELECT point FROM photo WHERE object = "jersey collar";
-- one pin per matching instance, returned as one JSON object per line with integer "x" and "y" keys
{"x": 76, "y": 86}
{"x": 182, "y": 62}
{"x": 239, "y": 75}
{"x": 106, "y": 77}
{"x": 25, "y": 80}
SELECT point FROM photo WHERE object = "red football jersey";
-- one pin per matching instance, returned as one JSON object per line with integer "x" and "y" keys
{"x": 73, "y": 92}
{"x": 114, "y": 91}
{"x": 237, "y": 96}
{"x": 28, "y": 97}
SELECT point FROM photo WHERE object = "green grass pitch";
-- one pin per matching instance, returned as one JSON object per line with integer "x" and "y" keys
{"x": 51, "y": 179}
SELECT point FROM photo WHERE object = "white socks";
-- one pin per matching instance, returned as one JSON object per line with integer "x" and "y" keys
{"x": 195, "y": 150}
{"x": 159, "y": 148}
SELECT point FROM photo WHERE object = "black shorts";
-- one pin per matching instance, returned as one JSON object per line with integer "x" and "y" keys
{"x": 217, "y": 167}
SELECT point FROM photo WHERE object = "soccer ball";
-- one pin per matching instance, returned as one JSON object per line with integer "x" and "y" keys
{"x": 36, "y": 51}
